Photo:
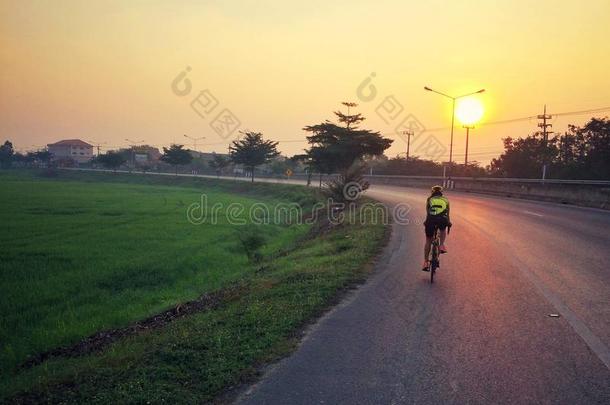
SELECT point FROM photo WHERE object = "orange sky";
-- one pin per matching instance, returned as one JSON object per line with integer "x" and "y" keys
{"x": 102, "y": 70}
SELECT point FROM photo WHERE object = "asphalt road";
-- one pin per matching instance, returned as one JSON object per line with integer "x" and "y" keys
{"x": 482, "y": 332}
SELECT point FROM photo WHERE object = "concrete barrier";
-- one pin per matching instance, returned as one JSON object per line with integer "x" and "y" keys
{"x": 589, "y": 193}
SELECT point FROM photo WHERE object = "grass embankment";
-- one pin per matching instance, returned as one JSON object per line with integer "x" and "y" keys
{"x": 88, "y": 251}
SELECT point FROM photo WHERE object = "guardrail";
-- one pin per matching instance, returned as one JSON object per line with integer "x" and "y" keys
{"x": 483, "y": 179}
{"x": 590, "y": 193}
{"x": 499, "y": 179}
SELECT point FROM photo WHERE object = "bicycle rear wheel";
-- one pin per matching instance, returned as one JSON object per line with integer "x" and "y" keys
{"x": 435, "y": 254}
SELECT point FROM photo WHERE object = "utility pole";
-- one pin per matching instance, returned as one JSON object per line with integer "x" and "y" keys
{"x": 545, "y": 137}
{"x": 194, "y": 141}
{"x": 97, "y": 146}
{"x": 408, "y": 134}
{"x": 468, "y": 128}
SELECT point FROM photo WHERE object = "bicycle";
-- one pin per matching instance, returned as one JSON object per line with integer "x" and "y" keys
{"x": 434, "y": 262}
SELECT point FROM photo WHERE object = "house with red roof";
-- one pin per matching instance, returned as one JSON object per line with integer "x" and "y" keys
{"x": 74, "y": 149}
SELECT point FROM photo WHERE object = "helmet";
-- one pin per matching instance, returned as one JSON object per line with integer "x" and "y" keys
{"x": 436, "y": 189}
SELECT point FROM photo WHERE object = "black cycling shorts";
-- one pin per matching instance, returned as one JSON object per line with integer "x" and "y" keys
{"x": 433, "y": 222}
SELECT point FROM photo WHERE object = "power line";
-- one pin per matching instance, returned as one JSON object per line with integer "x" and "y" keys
{"x": 194, "y": 139}
{"x": 478, "y": 154}
{"x": 594, "y": 110}
{"x": 280, "y": 141}
{"x": 529, "y": 118}
{"x": 498, "y": 122}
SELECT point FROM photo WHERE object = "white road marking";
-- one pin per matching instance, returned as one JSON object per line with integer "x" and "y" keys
{"x": 533, "y": 213}
{"x": 596, "y": 345}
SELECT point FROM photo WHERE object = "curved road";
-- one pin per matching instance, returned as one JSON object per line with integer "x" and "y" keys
{"x": 482, "y": 333}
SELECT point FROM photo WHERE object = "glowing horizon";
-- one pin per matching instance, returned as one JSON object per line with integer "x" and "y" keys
{"x": 102, "y": 71}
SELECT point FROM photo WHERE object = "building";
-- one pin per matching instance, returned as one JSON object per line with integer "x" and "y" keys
{"x": 141, "y": 155}
{"x": 74, "y": 149}
{"x": 146, "y": 154}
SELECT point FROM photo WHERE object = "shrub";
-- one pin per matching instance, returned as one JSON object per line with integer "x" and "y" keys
{"x": 348, "y": 186}
{"x": 252, "y": 240}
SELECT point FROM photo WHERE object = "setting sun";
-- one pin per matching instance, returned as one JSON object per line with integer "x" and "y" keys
{"x": 469, "y": 111}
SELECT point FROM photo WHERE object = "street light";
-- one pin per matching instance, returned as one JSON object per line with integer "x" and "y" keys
{"x": 452, "y": 114}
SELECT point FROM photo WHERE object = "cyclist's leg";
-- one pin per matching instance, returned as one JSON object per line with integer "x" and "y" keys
{"x": 427, "y": 248}
{"x": 443, "y": 234}
{"x": 429, "y": 229}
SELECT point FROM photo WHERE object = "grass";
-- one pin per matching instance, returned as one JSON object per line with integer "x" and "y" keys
{"x": 58, "y": 298}
{"x": 69, "y": 246}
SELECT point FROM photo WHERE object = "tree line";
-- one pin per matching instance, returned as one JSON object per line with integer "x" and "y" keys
{"x": 582, "y": 152}
{"x": 334, "y": 148}
{"x": 8, "y": 156}
{"x": 343, "y": 148}
{"x": 579, "y": 153}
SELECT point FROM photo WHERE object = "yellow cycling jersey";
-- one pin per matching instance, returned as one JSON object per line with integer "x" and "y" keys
{"x": 438, "y": 205}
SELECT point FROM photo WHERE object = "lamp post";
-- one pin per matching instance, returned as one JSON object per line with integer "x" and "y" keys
{"x": 468, "y": 128}
{"x": 452, "y": 115}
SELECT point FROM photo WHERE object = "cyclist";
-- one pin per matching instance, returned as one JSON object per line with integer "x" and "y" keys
{"x": 437, "y": 215}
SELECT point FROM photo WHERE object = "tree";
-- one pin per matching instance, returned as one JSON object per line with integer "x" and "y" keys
{"x": 580, "y": 153}
{"x": 348, "y": 119}
{"x": 316, "y": 161}
{"x": 252, "y": 151}
{"x": 176, "y": 156}
{"x": 414, "y": 166}
{"x": 336, "y": 148}
{"x": 145, "y": 167}
{"x": 593, "y": 148}
{"x": 219, "y": 163}
{"x": 6, "y": 154}
{"x": 306, "y": 161}
{"x": 523, "y": 157}
{"x": 20, "y": 158}
{"x": 111, "y": 160}
{"x": 281, "y": 166}
{"x": 42, "y": 156}
{"x": 339, "y": 149}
